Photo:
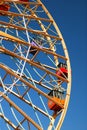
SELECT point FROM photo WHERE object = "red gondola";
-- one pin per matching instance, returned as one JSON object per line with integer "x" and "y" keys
{"x": 4, "y": 7}
{"x": 62, "y": 71}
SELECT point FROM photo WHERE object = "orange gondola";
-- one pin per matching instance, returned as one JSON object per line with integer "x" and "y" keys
{"x": 56, "y": 95}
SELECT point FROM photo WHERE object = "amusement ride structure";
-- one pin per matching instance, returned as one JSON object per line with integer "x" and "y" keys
{"x": 35, "y": 71}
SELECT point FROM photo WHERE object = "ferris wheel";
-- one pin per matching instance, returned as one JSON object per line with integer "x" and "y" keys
{"x": 35, "y": 71}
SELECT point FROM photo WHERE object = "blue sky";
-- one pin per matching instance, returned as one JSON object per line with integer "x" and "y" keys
{"x": 71, "y": 17}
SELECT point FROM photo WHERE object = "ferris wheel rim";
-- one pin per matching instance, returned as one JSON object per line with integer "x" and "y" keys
{"x": 69, "y": 68}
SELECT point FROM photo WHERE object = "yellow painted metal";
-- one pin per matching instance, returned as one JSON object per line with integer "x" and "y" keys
{"x": 21, "y": 111}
